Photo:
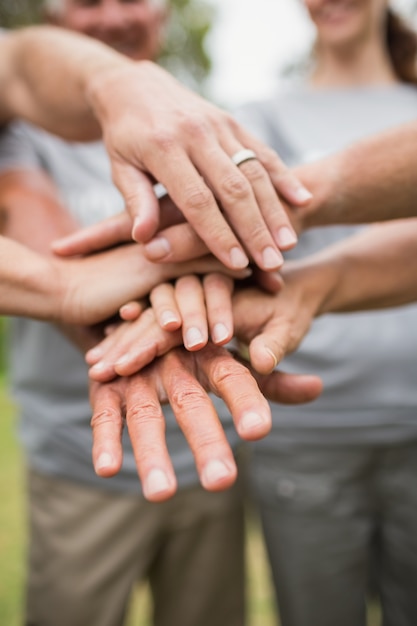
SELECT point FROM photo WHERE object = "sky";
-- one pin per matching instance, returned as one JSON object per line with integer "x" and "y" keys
{"x": 252, "y": 40}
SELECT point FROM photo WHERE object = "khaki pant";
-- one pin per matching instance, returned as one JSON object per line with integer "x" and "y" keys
{"x": 88, "y": 548}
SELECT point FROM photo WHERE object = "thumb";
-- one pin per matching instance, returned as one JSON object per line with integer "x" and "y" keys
{"x": 141, "y": 201}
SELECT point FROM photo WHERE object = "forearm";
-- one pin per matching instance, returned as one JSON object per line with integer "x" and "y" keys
{"x": 376, "y": 268}
{"x": 59, "y": 99}
{"x": 29, "y": 283}
{"x": 373, "y": 180}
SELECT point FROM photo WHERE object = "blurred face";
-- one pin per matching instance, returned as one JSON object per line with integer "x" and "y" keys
{"x": 132, "y": 27}
{"x": 343, "y": 22}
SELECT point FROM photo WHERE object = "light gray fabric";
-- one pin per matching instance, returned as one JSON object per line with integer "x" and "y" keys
{"x": 48, "y": 374}
{"x": 335, "y": 480}
{"x": 367, "y": 360}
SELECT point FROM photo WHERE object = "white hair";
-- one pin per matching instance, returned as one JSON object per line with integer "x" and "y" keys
{"x": 53, "y": 6}
{"x": 57, "y": 6}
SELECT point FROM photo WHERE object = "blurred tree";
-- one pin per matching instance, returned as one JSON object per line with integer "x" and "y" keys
{"x": 184, "y": 53}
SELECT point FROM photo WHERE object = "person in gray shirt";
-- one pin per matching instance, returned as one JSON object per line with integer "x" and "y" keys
{"x": 335, "y": 479}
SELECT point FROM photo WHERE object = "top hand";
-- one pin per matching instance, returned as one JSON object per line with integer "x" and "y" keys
{"x": 152, "y": 124}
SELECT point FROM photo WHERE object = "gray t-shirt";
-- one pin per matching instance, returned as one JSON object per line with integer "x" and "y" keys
{"x": 48, "y": 375}
{"x": 368, "y": 361}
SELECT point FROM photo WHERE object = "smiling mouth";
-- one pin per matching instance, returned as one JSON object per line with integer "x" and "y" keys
{"x": 335, "y": 10}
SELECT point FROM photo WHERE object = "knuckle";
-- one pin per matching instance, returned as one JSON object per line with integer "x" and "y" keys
{"x": 188, "y": 399}
{"x": 105, "y": 417}
{"x": 140, "y": 413}
{"x": 235, "y": 187}
{"x": 227, "y": 374}
{"x": 196, "y": 126}
{"x": 258, "y": 230}
{"x": 254, "y": 170}
{"x": 197, "y": 199}
{"x": 162, "y": 139}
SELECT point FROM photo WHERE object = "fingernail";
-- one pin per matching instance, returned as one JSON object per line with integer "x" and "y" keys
{"x": 271, "y": 258}
{"x": 214, "y": 471}
{"x": 286, "y": 237}
{"x": 123, "y": 359}
{"x": 168, "y": 318}
{"x": 272, "y": 355}
{"x": 220, "y": 333}
{"x": 238, "y": 258}
{"x": 251, "y": 421}
{"x": 158, "y": 248}
{"x": 155, "y": 482}
{"x": 98, "y": 367}
{"x": 104, "y": 461}
{"x": 301, "y": 195}
{"x": 193, "y": 337}
{"x": 93, "y": 354}
{"x": 137, "y": 224}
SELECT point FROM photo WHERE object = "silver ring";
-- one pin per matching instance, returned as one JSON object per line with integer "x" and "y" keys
{"x": 243, "y": 155}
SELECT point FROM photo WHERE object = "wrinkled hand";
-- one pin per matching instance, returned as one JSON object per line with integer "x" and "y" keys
{"x": 182, "y": 378}
{"x": 274, "y": 325}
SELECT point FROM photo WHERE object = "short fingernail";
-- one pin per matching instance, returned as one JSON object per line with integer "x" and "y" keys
{"x": 286, "y": 237}
{"x": 137, "y": 224}
{"x": 155, "y": 482}
{"x": 158, "y": 248}
{"x": 301, "y": 194}
{"x": 273, "y": 357}
{"x": 193, "y": 337}
{"x": 220, "y": 333}
{"x": 271, "y": 258}
{"x": 251, "y": 421}
{"x": 104, "y": 461}
{"x": 168, "y": 318}
{"x": 214, "y": 471}
{"x": 98, "y": 367}
{"x": 123, "y": 359}
{"x": 93, "y": 354}
{"x": 238, "y": 258}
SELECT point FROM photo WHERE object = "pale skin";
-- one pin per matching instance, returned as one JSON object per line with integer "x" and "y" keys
{"x": 375, "y": 268}
{"x": 112, "y": 275}
{"x": 89, "y": 90}
{"x": 110, "y": 94}
{"x": 182, "y": 378}
{"x": 373, "y": 180}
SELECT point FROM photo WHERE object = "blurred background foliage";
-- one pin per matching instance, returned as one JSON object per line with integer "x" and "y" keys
{"x": 184, "y": 53}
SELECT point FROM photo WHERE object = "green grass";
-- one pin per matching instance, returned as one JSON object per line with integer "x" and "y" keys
{"x": 12, "y": 533}
{"x": 12, "y": 544}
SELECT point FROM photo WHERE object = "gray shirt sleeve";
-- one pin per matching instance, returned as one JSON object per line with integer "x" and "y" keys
{"x": 16, "y": 149}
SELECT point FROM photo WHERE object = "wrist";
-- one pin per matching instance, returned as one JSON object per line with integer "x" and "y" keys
{"x": 105, "y": 89}
{"x": 323, "y": 179}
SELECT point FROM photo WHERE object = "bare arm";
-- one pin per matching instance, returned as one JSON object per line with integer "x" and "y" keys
{"x": 51, "y": 89}
{"x": 153, "y": 125}
{"x": 373, "y": 269}
{"x": 373, "y": 180}
{"x": 83, "y": 291}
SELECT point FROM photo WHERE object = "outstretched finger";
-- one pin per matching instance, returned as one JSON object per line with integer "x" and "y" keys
{"x": 105, "y": 234}
{"x": 199, "y": 421}
{"x": 146, "y": 423}
{"x": 107, "y": 427}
